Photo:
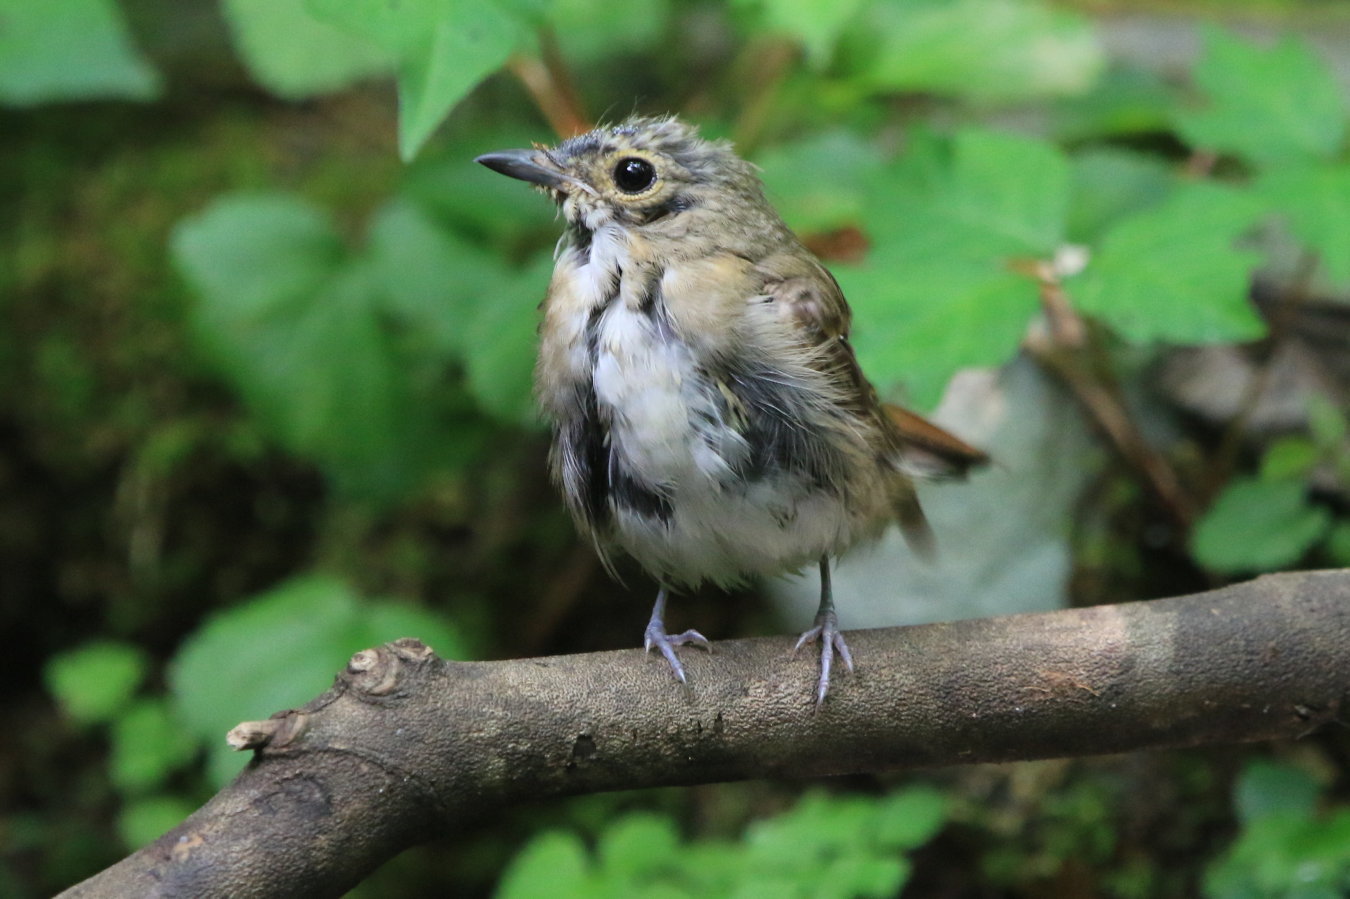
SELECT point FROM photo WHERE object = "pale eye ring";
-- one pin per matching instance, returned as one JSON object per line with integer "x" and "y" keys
{"x": 633, "y": 174}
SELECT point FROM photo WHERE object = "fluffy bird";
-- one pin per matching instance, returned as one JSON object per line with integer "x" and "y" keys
{"x": 709, "y": 416}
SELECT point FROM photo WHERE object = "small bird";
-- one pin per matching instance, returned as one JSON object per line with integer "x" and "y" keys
{"x": 709, "y": 417}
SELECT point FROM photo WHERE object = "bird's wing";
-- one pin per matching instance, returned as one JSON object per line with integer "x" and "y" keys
{"x": 809, "y": 297}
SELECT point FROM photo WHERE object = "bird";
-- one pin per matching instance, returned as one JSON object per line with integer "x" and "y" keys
{"x": 709, "y": 417}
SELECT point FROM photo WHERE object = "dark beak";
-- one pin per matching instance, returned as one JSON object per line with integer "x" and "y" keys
{"x": 527, "y": 165}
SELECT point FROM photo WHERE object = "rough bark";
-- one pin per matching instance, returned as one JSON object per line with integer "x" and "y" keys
{"x": 406, "y": 745}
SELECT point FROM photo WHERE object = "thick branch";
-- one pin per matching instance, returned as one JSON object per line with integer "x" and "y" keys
{"x": 406, "y": 745}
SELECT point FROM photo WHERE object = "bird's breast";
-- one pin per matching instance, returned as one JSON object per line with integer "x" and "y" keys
{"x": 699, "y": 462}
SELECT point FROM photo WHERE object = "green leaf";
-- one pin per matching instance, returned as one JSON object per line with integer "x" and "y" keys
{"x": 917, "y": 323}
{"x": 1285, "y": 847}
{"x": 1328, "y": 423}
{"x": 299, "y": 326}
{"x": 95, "y": 682}
{"x": 442, "y": 50}
{"x": 1123, "y": 102}
{"x": 279, "y": 650}
{"x": 1110, "y": 185}
{"x": 1338, "y": 544}
{"x": 589, "y": 31}
{"x": 858, "y": 874}
{"x": 1289, "y": 458}
{"x": 69, "y": 50}
{"x": 1258, "y": 525}
{"x": 936, "y": 292}
{"x": 1313, "y": 198}
{"x": 816, "y": 23}
{"x": 554, "y": 864}
{"x": 478, "y": 203}
{"x": 145, "y": 820}
{"x": 1171, "y": 273}
{"x": 1268, "y": 106}
{"x": 295, "y": 55}
{"x": 433, "y": 280}
{"x": 148, "y": 744}
{"x": 984, "y": 50}
{"x": 821, "y": 182}
{"x": 909, "y": 818}
{"x": 637, "y": 847}
{"x": 1004, "y": 195}
{"x": 1266, "y": 789}
{"x": 502, "y": 345}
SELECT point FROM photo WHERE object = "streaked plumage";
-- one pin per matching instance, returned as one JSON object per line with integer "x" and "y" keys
{"x": 709, "y": 415}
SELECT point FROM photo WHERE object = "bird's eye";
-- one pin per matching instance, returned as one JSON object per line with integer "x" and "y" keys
{"x": 634, "y": 175}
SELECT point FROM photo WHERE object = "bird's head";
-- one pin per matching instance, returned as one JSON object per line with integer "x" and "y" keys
{"x": 637, "y": 173}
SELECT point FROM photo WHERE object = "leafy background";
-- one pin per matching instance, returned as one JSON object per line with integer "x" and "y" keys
{"x": 264, "y": 392}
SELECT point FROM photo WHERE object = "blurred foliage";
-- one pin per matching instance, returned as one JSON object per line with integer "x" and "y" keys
{"x": 264, "y": 392}
{"x": 1271, "y": 519}
{"x": 1287, "y": 846}
{"x": 825, "y": 846}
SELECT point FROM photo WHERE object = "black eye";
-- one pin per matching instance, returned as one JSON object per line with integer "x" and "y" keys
{"x": 634, "y": 175}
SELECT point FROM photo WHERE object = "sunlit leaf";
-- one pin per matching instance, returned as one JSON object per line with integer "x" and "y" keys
{"x": 1258, "y": 525}
{"x": 1111, "y": 184}
{"x": 1173, "y": 273}
{"x": 1267, "y": 105}
{"x": 917, "y": 323}
{"x": 1003, "y": 195}
{"x": 937, "y": 291}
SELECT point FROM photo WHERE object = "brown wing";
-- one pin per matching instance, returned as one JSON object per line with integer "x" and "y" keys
{"x": 811, "y": 296}
{"x": 808, "y": 295}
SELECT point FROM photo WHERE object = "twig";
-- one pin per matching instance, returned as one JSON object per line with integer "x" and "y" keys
{"x": 1279, "y": 322}
{"x": 770, "y": 60}
{"x": 1069, "y": 349}
{"x": 549, "y": 83}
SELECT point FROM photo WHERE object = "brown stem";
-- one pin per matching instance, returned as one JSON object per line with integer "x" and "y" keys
{"x": 768, "y": 61}
{"x": 1287, "y": 304}
{"x": 1070, "y": 350}
{"x": 549, "y": 83}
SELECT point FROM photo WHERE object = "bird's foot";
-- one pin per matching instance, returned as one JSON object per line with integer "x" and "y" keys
{"x": 656, "y": 636}
{"x": 826, "y": 630}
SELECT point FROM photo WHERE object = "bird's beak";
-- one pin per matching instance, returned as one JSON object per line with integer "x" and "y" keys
{"x": 527, "y": 165}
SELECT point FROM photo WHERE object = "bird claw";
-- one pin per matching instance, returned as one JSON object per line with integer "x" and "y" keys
{"x": 826, "y": 630}
{"x": 656, "y": 636}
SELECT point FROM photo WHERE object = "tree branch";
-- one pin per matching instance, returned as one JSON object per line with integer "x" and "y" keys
{"x": 406, "y": 745}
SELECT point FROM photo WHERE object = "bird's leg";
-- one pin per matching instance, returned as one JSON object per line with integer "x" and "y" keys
{"x": 656, "y": 636}
{"x": 826, "y": 630}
